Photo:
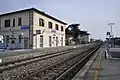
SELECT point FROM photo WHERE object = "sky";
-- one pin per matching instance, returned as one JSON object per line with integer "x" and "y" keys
{"x": 93, "y": 15}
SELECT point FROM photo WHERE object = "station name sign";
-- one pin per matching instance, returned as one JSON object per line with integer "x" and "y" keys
{"x": 54, "y": 31}
{"x": 25, "y": 27}
{"x": 108, "y": 33}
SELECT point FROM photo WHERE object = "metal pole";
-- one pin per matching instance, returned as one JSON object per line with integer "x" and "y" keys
{"x": 111, "y": 31}
{"x": 111, "y": 34}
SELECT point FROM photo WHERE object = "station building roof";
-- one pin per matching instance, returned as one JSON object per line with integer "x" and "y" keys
{"x": 36, "y": 10}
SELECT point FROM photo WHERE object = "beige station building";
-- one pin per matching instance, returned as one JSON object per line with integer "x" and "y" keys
{"x": 31, "y": 28}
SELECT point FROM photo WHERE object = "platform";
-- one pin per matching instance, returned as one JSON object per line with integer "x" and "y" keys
{"x": 99, "y": 68}
{"x": 30, "y": 51}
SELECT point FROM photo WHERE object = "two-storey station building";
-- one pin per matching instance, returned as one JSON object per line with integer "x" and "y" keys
{"x": 31, "y": 28}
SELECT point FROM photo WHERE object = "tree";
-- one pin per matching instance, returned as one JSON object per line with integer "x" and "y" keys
{"x": 73, "y": 30}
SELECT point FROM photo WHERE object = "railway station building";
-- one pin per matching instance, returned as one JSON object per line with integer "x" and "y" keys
{"x": 31, "y": 28}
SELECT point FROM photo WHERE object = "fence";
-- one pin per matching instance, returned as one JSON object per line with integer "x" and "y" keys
{"x": 10, "y": 46}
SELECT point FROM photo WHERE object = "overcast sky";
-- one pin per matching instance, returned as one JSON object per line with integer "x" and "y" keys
{"x": 93, "y": 15}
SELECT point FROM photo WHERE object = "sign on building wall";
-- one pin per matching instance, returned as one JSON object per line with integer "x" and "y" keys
{"x": 38, "y": 31}
{"x": 25, "y": 27}
{"x": 54, "y": 31}
{"x": 34, "y": 34}
{"x": 108, "y": 33}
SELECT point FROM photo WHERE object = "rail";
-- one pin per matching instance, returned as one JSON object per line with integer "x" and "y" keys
{"x": 67, "y": 75}
{"x": 58, "y": 70}
{"x": 13, "y": 64}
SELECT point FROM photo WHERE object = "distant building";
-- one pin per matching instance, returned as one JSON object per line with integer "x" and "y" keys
{"x": 82, "y": 38}
{"x": 32, "y": 28}
{"x": 92, "y": 40}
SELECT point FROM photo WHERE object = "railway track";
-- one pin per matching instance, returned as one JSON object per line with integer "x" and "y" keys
{"x": 24, "y": 55}
{"x": 64, "y": 69}
{"x": 21, "y": 62}
{"x": 72, "y": 71}
{"x": 13, "y": 64}
{"x": 28, "y": 55}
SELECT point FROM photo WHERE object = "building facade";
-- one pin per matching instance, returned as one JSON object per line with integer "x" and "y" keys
{"x": 83, "y": 39}
{"x": 31, "y": 28}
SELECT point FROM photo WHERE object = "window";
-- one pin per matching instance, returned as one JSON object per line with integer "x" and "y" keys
{"x": 41, "y": 22}
{"x": 56, "y": 27}
{"x": 50, "y": 25}
{"x": 56, "y": 41}
{"x": 41, "y": 41}
{"x": 3, "y": 39}
{"x": 7, "y": 39}
{"x": 61, "y": 28}
{"x": 20, "y": 37}
{"x": 50, "y": 41}
{"x": 13, "y": 22}
{"x": 7, "y": 23}
{"x": 19, "y": 21}
{"x": 12, "y": 41}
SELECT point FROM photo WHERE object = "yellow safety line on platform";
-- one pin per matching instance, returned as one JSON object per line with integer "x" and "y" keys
{"x": 96, "y": 74}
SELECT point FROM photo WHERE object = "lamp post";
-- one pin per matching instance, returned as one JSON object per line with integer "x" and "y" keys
{"x": 22, "y": 41}
{"x": 111, "y": 33}
{"x": 111, "y": 24}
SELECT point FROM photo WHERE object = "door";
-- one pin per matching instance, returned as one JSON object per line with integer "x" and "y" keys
{"x": 25, "y": 42}
{"x": 56, "y": 41}
{"x": 61, "y": 41}
{"x": 41, "y": 41}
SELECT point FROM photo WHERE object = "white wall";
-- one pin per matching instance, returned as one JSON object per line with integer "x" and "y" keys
{"x": 1, "y": 39}
{"x": 25, "y": 21}
{"x": 17, "y": 29}
{"x": 47, "y": 31}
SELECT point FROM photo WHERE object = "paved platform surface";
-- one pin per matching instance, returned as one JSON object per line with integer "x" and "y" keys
{"x": 110, "y": 69}
{"x": 100, "y": 68}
